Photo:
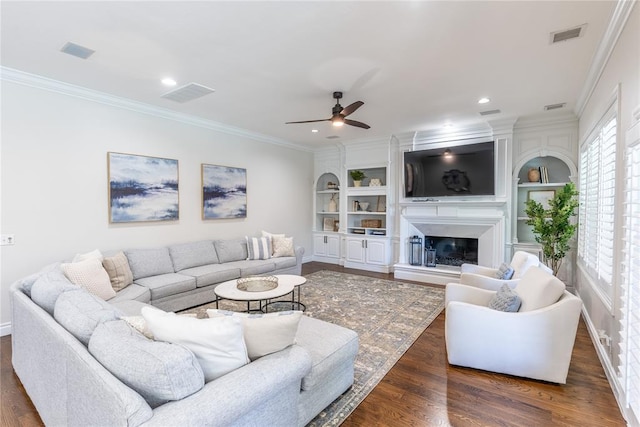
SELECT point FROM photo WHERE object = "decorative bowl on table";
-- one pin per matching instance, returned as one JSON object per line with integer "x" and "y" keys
{"x": 257, "y": 283}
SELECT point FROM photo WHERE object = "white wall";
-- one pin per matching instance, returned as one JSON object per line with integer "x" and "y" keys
{"x": 54, "y": 181}
{"x": 622, "y": 68}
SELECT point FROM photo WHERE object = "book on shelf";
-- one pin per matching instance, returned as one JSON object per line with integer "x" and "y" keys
{"x": 544, "y": 174}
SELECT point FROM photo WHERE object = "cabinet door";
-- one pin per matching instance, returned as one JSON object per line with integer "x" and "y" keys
{"x": 355, "y": 250}
{"x": 332, "y": 247}
{"x": 319, "y": 247}
{"x": 376, "y": 252}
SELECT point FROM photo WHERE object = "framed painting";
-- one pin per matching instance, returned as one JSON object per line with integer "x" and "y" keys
{"x": 328, "y": 224}
{"x": 542, "y": 196}
{"x": 142, "y": 188}
{"x": 224, "y": 192}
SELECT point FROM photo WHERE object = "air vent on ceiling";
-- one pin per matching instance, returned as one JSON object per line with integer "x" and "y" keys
{"x": 77, "y": 50}
{"x": 333, "y": 137}
{"x": 554, "y": 106}
{"x": 564, "y": 35}
{"x": 188, "y": 92}
{"x": 489, "y": 112}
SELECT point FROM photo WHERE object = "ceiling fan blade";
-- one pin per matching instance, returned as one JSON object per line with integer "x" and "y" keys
{"x": 357, "y": 124}
{"x": 308, "y": 121}
{"x": 351, "y": 108}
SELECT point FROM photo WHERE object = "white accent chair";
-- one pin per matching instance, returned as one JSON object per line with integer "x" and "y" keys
{"x": 485, "y": 277}
{"x": 535, "y": 342}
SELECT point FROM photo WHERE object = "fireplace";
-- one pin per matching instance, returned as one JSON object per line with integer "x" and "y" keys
{"x": 453, "y": 251}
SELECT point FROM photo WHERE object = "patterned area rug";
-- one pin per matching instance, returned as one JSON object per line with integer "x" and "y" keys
{"x": 387, "y": 315}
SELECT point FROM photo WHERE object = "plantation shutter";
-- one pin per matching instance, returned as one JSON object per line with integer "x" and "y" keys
{"x": 630, "y": 296}
{"x": 597, "y": 201}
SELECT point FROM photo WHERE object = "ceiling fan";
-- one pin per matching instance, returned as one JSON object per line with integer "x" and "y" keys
{"x": 339, "y": 114}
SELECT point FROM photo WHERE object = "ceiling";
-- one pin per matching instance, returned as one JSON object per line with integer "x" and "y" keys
{"x": 416, "y": 65}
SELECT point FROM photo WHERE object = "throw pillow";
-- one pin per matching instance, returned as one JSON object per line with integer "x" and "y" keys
{"x": 80, "y": 313}
{"x": 139, "y": 324}
{"x": 283, "y": 246}
{"x": 259, "y": 247}
{"x": 505, "y": 272}
{"x": 94, "y": 254}
{"x": 90, "y": 275}
{"x": 217, "y": 343}
{"x": 48, "y": 287}
{"x": 265, "y": 333}
{"x": 506, "y": 299}
{"x": 272, "y": 235}
{"x": 117, "y": 268}
{"x": 158, "y": 371}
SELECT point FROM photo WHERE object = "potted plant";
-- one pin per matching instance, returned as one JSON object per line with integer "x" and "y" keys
{"x": 552, "y": 226}
{"x": 357, "y": 176}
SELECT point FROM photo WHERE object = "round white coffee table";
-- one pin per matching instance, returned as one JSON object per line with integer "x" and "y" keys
{"x": 286, "y": 284}
{"x": 295, "y": 303}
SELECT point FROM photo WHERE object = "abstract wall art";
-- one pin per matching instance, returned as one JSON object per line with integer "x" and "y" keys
{"x": 224, "y": 192}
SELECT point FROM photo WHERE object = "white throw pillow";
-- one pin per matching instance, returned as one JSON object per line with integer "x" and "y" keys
{"x": 283, "y": 246}
{"x": 217, "y": 343}
{"x": 272, "y": 235}
{"x": 94, "y": 254}
{"x": 90, "y": 275}
{"x": 538, "y": 289}
{"x": 139, "y": 324}
{"x": 264, "y": 333}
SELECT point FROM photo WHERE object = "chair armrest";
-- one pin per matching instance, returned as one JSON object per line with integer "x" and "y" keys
{"x": 478, "y": 269}
{"x": 467, "y": 294}
{"x": 484, "y": 282}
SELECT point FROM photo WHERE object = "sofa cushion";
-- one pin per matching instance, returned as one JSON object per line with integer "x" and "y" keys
{"x": 331, "y": 347}
{"x": 167, "y": 284}
{"x": 265, "y": 333}
{"x": 207, "y": 275}
{"x": 47, "y": 288}
{"x": 91, "y": 275}
{"x": 80, "y": 312}
{"x": 285, "y": 262}
{"x": 505, "y": 299}
{"x": 194, "y": 254}
{"x": 149, "y": 262}
{"x": 258, "y": 247}
{"x": 158, "y": 371}
{"x": 521, "y": 262}
{"x": 117, "y": 267}
{"x": 255, "y": 267}
{"x": 231, "y": 250}
{"x": 538, "y": 289}
{"x": 217, "y": 343}
{"x": 132, "y": 292}
{"x": 129, "y": 307}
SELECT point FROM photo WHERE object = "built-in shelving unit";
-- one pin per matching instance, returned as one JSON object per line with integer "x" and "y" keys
{"x": 326, "y": 237}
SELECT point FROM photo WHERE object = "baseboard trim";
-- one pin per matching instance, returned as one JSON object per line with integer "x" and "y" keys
{"x": 5, "y": 329}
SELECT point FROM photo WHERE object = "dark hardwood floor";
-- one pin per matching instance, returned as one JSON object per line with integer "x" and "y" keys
{"x": 423, "y": 390}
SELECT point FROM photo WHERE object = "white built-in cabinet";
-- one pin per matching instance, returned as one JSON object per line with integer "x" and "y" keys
{"x": 369, "y": 252}
{"x": 326, "y": 237}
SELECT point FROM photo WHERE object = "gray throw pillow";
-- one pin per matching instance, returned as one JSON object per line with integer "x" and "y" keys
{"x": 505, "y": 299}
{"x": 158, "y": 371}
{"x": 505, "y": 272}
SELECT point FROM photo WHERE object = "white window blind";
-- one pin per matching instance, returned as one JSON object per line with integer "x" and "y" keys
{"x": 630, "y": 297}
{"x": 597, "y": 201}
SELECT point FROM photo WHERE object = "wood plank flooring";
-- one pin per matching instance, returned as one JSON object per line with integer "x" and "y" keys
{"x": 423, "y": 390}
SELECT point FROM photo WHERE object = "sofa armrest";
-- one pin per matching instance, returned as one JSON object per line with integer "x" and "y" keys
{"x": 467, "y": 294}
{"x": 478, "y": 269}
{"x": 485, "y": 282}
{"x": 265, "y": 391}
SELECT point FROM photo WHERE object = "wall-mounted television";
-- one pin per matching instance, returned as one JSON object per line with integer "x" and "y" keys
{"x": 452, "y": 170}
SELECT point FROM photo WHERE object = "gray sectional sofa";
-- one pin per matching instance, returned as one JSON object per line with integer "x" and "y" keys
{"x": 180, "y": 276}
{"x": 57, "y": 327}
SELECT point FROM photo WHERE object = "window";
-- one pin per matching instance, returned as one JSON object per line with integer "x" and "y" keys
{"x": 630, "y": 296}
{"x": 597, "y": 200}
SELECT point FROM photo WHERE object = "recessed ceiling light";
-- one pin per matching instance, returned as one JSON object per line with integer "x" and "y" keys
{"x": 168, "y": 81}
{"x": 483, "y": 100}
{"x": 314, "y": 130}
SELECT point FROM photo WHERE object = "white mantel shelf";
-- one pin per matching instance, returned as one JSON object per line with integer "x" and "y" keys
{"x": 438, "y": 275}
{"x": 444, "y": 202}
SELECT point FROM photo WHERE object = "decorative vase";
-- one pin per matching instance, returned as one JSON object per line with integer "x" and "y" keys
{"x": 333, "y": 206}
{"x": 357, "y": 183}
{"x": 534, "y": 175}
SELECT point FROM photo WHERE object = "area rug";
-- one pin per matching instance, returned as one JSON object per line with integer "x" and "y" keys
{"x": 387, "y": 315}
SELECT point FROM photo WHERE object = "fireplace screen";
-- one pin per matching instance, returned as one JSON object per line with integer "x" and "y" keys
{"x": 453, "y": 251}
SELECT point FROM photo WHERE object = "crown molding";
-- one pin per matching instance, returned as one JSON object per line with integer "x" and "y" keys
{"x": 39, "y": 82}
{"x": 605, "y": 48}
{"x": 563, "y": 119}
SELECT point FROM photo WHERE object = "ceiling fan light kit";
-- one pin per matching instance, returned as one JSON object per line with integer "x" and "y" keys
{"x": 339, "y": 114}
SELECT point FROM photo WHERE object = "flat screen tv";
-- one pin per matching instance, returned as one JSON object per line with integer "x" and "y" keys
{"x": 453, "y": 170}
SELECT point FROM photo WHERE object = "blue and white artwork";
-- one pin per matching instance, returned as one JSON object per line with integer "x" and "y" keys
{"x": 224, "y": 192}
{"x": 142, "y": 188}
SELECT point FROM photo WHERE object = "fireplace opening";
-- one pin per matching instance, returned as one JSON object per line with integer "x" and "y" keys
{"x": 453, "y": 251}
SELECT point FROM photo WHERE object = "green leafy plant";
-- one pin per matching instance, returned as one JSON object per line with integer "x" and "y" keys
{"x": 357, "y": 175}
{"x": 553, "y": 227}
